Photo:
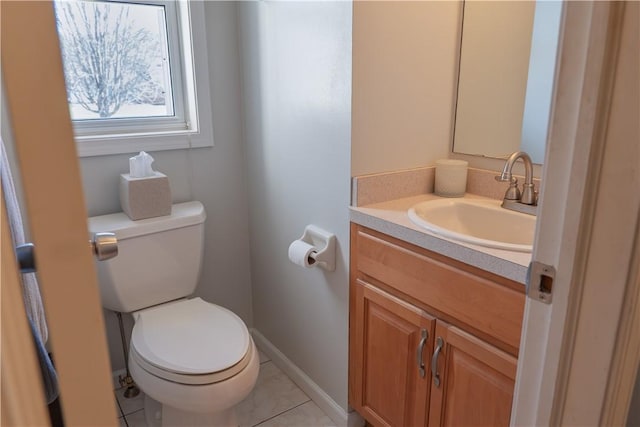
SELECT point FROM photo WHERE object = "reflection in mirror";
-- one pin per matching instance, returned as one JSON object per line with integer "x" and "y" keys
{"x": 505, "y": 83}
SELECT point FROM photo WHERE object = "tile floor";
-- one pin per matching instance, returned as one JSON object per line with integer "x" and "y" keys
{"x": 274, "y": 402}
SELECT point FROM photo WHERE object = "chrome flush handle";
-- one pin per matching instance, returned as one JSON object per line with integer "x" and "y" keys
{"x": 104, "y": 246}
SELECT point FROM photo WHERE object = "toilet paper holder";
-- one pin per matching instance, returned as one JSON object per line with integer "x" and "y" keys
{"x": 325, "y": 247}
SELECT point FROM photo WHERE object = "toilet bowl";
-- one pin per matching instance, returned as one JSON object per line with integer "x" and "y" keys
{"x": 194, "y": 360}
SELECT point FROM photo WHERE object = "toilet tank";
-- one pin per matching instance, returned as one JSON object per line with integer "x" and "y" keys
{"x": 158, "y": 258}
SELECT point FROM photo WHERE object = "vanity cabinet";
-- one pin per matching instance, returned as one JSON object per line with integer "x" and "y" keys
{"x": 432, "y": 341}
{"x": 390, "y": 336}
{"x": 475, "y": 381}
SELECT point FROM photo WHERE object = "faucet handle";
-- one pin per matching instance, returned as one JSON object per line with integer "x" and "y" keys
{"x": 529, "y": 195}
{"x": 513, "y": 192}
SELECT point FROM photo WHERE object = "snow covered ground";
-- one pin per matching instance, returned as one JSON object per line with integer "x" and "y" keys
{"x": 126, "y": 111}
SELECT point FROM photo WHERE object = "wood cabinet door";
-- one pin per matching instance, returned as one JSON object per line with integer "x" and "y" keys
{"x": 476, "y": 381}
{"x": 391, "y": 335}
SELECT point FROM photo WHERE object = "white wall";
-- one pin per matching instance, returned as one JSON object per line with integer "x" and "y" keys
{"x": 297, "y": 93}
{"x": 215, "y": 176}
{"x": 542, "y": 67}
{"x": 404, "y": 78}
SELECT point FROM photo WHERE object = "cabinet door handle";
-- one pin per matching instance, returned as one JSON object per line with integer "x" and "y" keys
{"x": 425, "y": 335}
{"x": 434, "y": 361}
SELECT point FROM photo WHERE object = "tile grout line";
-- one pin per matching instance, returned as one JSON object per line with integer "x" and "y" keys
{"x": 126, "y": 423}
{"x": 115, "y": 395}
{"x": 124, "y": 416}
{"x": 264, "y": 361}
{"x": 134, "y": 412}
{"x": 281, "y": 413}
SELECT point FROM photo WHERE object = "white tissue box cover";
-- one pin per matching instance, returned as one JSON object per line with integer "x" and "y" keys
{"x": 146, "y": 197}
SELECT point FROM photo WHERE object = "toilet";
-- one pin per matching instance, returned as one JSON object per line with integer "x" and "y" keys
{"x": 194, "y": 360}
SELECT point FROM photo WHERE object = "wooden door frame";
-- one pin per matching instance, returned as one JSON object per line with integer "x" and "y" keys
{"x": 555, "y": 349}
{"x": 43, "y": 136}
{"x": 22, "y": 400}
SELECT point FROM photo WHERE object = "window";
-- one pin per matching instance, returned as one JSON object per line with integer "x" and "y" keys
{"x": 131, "y": 70}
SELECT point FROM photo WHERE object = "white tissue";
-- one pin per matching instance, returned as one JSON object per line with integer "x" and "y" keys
{"x": 301, "y": 253}
{"x": 140, "y": 165}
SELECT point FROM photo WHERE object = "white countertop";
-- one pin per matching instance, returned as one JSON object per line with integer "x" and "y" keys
{"x": 391, "y": 218}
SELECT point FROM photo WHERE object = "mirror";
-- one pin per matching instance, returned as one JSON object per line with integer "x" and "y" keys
{"x": 505, "y": 84}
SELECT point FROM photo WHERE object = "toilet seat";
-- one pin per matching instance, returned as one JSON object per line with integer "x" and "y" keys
{"x": 201, "y": 379}
{"x": 190, "y": 342}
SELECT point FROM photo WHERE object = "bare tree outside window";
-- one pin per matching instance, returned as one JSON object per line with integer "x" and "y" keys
{"x": 115, "y": 66}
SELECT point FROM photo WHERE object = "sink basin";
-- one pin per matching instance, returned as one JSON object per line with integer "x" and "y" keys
{"x": 481, "y": 222}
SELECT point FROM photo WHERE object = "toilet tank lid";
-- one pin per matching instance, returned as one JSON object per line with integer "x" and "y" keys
{"x": 182, "y": 215}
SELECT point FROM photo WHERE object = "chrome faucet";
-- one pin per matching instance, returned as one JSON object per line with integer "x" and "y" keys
{"x": 525, "y": 202}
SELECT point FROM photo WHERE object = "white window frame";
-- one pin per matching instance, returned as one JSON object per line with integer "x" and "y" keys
{"x": 192, "y": 127}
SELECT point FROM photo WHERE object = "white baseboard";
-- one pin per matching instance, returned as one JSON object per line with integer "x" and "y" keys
{"x": 302, "y": 380}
